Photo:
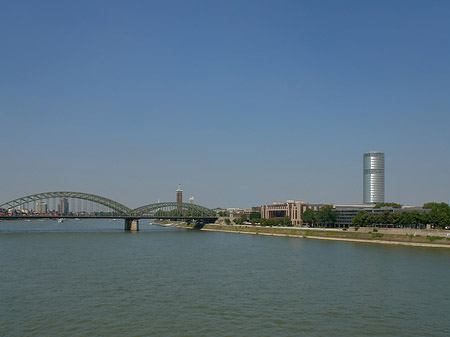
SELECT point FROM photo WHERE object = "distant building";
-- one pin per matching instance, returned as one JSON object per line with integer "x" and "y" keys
{"x": 179, "y": 194}
{"x": 373, "y": 177}
{"x": 346, "y": 213}
{"x": 293, "y": 209}
{"x": 240, "y": 213}
{"x": 191, "y": 200}
{"x": 63, "y": 206}
{"x": 256, "y": 209}
{"x": 41, "y": 207}
{"x": 179, "y": 198}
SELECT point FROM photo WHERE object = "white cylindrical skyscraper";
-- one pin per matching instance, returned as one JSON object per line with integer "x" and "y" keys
{"x": 373, "y": 177}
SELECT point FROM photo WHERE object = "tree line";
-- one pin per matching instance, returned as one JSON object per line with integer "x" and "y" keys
{"x": 437, "y": 216}
{"x": 325, "y": 216}
{"x": 255, "y": 219}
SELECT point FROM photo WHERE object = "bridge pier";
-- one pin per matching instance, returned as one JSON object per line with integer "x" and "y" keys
{"x": 132, "y": 225}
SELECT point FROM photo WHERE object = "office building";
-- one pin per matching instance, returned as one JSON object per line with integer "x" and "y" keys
{"x": 41, "y": 207}
{"x": 293, "y": 209}
{"x": 373, "y": 177}
{"x": 63, "y": 206}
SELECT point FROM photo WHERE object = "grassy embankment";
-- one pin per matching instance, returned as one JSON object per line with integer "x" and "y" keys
{"x": 418, "y": 240}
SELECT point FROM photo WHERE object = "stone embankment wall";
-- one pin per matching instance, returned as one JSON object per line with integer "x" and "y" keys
{"x": 405, "y": 231}
{"x": 428, "y": 238}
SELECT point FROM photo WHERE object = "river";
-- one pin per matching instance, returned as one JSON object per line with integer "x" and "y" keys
{"x": 84, "y": 278}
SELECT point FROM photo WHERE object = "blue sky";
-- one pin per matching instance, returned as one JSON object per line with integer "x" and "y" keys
{"x": 242, "y": 102}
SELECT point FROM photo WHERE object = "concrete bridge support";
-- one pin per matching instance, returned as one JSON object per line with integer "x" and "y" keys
{"x": 132, "y": 225}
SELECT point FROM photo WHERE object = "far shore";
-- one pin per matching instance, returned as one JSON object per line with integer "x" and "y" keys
{"x": 406, "y": 237}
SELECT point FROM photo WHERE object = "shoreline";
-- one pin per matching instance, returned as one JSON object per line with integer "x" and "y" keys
{"x": 310, "y": 233}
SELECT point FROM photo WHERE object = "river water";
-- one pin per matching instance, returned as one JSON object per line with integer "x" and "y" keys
{"x": 84, "y": 278}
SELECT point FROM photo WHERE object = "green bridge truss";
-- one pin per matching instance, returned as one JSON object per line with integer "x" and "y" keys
{"x": 163, "y": 209}
{"x": 115, "y": 206}
{"x": 167, "y": 209}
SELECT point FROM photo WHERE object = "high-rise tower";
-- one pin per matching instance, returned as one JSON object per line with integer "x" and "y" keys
{"x": 179, "y": 198}
{"x": 179, "y": 194}
{"x": 63, "y": 206}
{"x": 373, "y": 177}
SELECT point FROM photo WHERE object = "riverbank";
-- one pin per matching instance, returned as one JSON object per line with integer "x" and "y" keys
{"x": 379, "y": 237}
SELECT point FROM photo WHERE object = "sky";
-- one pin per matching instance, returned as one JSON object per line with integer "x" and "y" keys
{"x": 241, "y": 102}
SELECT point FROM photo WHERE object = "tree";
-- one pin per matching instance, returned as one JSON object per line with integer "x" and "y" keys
{"x": 239, "y": 221}
{"x": 384, "y": 217}
{"x": 326, "y": 215}
{"x": 394, "y": 218}
{"x": 309, "y": 216}
{"x": 439, "y": 214}
{"x": 415, "y": 217}
{"x": 223, "y": 213}
{"x": 388, "y": 204}
{"x": 405, "y": 219}
{"x": 424, "y": 218}
{"x": 269, "y": 222}
{"x": 286, "y": 221}
{"x": 360, "y": 219}
{"x": 227, "y": 221}
{"x": 255, "y": 215}
{"x": 435, "y": 206}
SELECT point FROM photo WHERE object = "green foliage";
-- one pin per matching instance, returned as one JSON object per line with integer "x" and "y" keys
{"x": 383, "y": 218}
{"x": 309, "y": 216}
{"x": 439, "y": 214}
{"x": 386, "y": 218}
{"x": 223, "y": 213}
{"x": 394, "y": 218}
{"x": 239, "y": 221}
{"x": 377, "y": 235}
{"x": 362, "y": 219}
{"x": 227, "y": 221}
{"x": 435, "y": 206}
{"x": 434, "y": 238}
{"x": 326, "y": 216}
{"x": 255, "y": 215}
{"x": 286, "y": 221}
{"x": 269, "y": 222}
{"x": 388, "y": 204}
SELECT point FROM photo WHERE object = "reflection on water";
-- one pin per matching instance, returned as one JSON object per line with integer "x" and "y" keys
{"x": 72, "y": 225}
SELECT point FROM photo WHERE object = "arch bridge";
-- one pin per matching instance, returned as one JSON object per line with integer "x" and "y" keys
{"x": 89, "y": 206}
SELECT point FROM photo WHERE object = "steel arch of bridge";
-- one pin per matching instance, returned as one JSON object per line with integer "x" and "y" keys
{"x": 166, "y": 209}
{"x": 114, "y": 205}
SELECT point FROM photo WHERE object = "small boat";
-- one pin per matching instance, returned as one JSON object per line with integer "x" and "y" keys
{"x": 60, "y": 220}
